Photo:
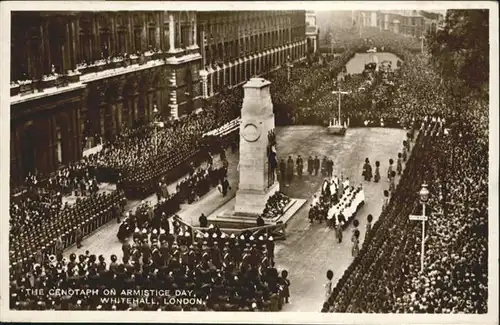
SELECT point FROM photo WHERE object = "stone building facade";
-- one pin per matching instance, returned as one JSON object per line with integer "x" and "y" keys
{"x": 414, "y": 23}
{"x": 77, "y": 76}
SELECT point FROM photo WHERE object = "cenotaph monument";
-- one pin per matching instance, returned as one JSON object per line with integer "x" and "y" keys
{"x": 257, "y": 163}
{"x": 257, "y": 180}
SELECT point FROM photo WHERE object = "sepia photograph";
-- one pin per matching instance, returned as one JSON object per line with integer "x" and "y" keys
{"x": 308, "y": 161}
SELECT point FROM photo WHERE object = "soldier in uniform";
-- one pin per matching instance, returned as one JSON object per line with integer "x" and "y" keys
{"x": 316, "y": 165}
{"x": 300, "y": 166}
{"x": 79, "y": 235}
{"x": 289, "y": 170}
{"x": 338, "y": 232}
{"x": 285, "y": 285}
{"x": 385, "y": 201}
{"x": 377, "y": 172}
{"x": 310, "y": 165}
{"x": 59, "y": 247}
{"x": 270, "y": 249}
{"x": 390, "y": 169}
{"x": 355, "y": 243}
{"x": 282, "y": 171}
{"x": 323, "y": 166}
{"x": 260, "y": 221}
{"x": 405, "y": 151}
{"x": 399, "y": 166}
{"x": 203, "y": 221}
{"x": 392, "y": 182}
{"x": 369, "y": 224}
{"x": 328, "y": 285}
{"x": 367, "y": 170}
{"x": 329, "y": 167}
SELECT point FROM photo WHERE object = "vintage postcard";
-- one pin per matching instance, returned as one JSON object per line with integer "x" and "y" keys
{"x": 306, "y": 162}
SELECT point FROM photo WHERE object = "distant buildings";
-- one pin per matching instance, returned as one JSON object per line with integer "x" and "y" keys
{"x": 414, "y": 23}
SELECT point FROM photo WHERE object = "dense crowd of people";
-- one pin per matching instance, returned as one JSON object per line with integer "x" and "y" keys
{"x": 451, "y": 156}
{"x": 221, "y": 272}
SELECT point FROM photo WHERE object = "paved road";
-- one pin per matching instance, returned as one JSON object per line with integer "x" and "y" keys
{"x": 311, "y": 249}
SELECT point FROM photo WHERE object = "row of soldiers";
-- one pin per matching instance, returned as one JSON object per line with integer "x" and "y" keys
{"x": 314, "y": 165}
{"x": 228, "y": 272}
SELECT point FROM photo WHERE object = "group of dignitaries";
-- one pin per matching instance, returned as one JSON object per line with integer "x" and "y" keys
{"x": 288, "y": 168}
{"x": 223, "y": 272}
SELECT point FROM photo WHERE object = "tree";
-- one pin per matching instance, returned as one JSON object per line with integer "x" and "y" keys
{"x": 461, "y": 50}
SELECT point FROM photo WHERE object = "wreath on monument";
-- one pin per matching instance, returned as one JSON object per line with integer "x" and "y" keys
{"x": 275, "y": 205}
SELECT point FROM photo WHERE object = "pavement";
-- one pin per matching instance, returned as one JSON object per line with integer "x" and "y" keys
{"x": 310, "y": 249}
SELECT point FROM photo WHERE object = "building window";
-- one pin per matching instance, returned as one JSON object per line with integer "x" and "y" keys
{"x": 184, "y": 36}
{"x": 105, "y": 44}
{"x": 85, "y": 47}
{"x": 152, "y": 37}
{"x": 137, "y": 40}
{"x": 122, "y": 42}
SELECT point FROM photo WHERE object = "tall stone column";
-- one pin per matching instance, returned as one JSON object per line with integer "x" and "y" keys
{"x": 230, "y": 69}
{"x": 195, "y": 35}
{"x": 211, "y": 72}
{"x": 224, "y": 78}
{"x": 171, "y": 33}
{"x": 257, "y": 124}
{"x": 204, "y": 83}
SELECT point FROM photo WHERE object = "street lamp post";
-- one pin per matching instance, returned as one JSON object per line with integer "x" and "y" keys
{"x": 424, "y": 197}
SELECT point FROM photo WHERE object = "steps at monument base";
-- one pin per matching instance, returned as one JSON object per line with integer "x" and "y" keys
{"x": 225, "y": 217}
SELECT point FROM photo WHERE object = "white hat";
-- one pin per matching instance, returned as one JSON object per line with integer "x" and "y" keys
{"x": 162, "y": 231}
{"x": 254, "y": 305}
{"x": 211, "y": 226}
{"x": 261, "y": 238}
{"x": 155, "y": 232}
{"x": 271, "y": 238}
{"x": 144, "y": 231}
{"x": 136, "y": 230}
{"x": 214, "y": 236}
{"x": 181, "y": 233}
{"x": 223, "y": 235}
{"x": 242, "y": 237}
{"x": 206, "y": 235}
{"x": 252, "y": 238}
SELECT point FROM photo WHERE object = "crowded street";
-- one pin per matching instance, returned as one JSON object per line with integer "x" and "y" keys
{"x": 365, "y": 152}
